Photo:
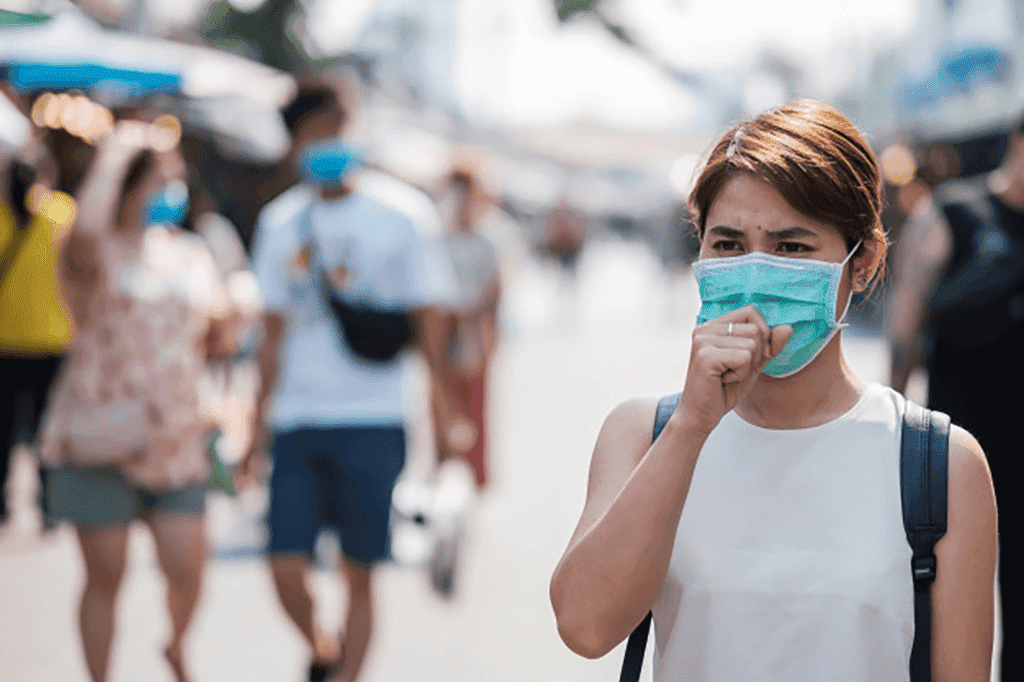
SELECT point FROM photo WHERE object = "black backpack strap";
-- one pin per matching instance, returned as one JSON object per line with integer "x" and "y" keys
{"x": 924, "y": 459}
{"x": 634, "y": 659}
{"x": 666, "y": 406}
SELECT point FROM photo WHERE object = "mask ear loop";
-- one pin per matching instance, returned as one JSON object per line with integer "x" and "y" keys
{"x": 842, "y": 323}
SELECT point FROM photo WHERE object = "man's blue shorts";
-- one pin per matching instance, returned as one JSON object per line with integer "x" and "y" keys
{"x": 338, "y": 477}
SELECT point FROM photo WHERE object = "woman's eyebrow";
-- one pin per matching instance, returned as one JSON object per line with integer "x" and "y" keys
{"x": 727, "y": 232}
{"x": 790, "y": 233}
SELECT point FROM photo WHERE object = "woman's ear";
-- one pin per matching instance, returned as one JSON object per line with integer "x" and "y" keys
{"x": 864, "y": 265}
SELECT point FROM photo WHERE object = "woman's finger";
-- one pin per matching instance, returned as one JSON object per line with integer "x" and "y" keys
{"x": 731, "y": 364}
{"x": 779, "y": 338}
{"x": 717, "y": 328}
{"x": 714, "y": 332}
{"x": 748, "y": 343}
{"x": 747, "y": 315}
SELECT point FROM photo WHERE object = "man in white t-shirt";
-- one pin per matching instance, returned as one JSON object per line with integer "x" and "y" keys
{"x": 336, "y": 418}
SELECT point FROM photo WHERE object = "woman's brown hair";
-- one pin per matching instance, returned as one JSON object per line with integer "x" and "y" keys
{"x": 814, "y": 157}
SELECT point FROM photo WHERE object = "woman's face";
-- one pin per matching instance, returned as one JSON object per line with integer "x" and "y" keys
{"x": 168, "y": 167}
{"x": 749, "y": 215}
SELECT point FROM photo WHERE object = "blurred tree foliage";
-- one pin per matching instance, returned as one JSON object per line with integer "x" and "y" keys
{"x": 266, "y": 34}
{"x": 567, "y": 8}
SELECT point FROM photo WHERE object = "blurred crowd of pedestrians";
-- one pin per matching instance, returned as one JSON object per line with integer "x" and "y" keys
{"x": 126, "y": 302}
{"x": 957, "y": 311}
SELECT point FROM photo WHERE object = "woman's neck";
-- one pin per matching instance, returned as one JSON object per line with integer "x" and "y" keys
{"x": 824, "y": 390}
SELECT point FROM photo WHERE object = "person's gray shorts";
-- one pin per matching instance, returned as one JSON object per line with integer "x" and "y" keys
{"x": 103, "y": 497}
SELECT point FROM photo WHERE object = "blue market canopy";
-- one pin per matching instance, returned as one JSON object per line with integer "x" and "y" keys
{"x": 57, "y": 76}
{"x": 73, "y": 52}
{"x": 959, "y": 74}
{"x": 236, "y": 99}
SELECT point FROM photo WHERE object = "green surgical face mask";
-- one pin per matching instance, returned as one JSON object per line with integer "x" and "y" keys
{"x": 799, "y": 292}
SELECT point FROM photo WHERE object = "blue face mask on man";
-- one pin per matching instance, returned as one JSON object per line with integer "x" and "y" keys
{"x": 800, "y": 292}
{"x": 328, "y": 163}
{"x": 167, "y": 205}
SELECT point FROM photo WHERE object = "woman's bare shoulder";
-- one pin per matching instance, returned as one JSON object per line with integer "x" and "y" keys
{"x": 969, "y": 474}
{"x": 625, "y": 435}
{"x": 634, "y": 417}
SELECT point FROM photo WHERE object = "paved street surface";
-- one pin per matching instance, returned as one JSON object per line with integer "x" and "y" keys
{"x": 570, "y": 357}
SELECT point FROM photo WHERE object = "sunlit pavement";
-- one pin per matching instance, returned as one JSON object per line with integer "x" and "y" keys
{"x": 571, "y": 355}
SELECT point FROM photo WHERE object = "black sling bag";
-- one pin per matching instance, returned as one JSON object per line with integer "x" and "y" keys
{"x": 375, "y": 335}
{"x": 924, "y": 459}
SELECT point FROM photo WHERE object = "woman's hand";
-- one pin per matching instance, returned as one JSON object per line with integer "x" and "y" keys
{"x": 115, "y": 153}
{"x": 99, "y": 194}
{"x": 252, "y": 467}
{"x": 221, "y": 340}
{"x": 724, "y": 366}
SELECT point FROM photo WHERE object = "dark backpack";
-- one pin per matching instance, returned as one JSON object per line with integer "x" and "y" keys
{"x": 980, "y": 296}
{"x": 923, "y": 464}
{"x": 375, "y": 335}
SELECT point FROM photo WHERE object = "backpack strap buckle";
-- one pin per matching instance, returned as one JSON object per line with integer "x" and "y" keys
{"x": 924, "y": 569}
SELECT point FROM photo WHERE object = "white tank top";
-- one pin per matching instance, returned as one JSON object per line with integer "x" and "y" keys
{"x": 791, "y": 563}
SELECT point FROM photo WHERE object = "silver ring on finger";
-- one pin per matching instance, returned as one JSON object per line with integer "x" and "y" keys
{"x": 729, "y": 333}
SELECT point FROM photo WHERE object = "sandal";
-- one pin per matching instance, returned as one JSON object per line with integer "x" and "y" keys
{"x": 319, "y": 671}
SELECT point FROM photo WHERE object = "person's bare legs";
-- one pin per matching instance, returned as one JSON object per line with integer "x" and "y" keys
{"x": 290, "y": 572}
{"x": 181, "y": 549}
{"x": 104, "y": 551}
{"x": 359, "y": 622}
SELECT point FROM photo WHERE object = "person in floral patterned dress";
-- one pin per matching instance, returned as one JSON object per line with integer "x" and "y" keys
{"x": 128, "y": 426}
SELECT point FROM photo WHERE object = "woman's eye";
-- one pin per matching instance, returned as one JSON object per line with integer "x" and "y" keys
{"x": 793, "y": 247}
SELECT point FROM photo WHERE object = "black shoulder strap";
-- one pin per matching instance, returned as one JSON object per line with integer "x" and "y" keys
{"x": 634, "y": 659}
{"x": 924, "y": 459}
{"x": 666, "y": 406}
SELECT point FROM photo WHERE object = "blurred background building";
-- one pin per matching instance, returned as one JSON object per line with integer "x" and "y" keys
{"x": 562, "y": 98}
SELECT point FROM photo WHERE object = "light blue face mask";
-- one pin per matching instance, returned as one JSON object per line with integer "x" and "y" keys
{"x": 167, "y": 205}
{"x": 328, "y": 163}
{"x": 796, "y": 291}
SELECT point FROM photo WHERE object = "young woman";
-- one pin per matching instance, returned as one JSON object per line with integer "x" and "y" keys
{"x": 126, "y": 431}
{"x": 764, "y": 526}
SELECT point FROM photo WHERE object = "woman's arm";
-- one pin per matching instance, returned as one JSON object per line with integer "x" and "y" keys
{"x": 268, "y": 360}
{"x": 616, "y": 562}
{"x": 98, "y": 200}
{"x": 923, "y": 251}
{"x": 962, "y": 596}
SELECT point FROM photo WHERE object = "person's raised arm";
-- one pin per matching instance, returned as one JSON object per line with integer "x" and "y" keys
{"x": 99, "y": 199}
{"x": 924, "y": 249}
{"x": 962, "y": 595}
{"x": 618, "y": 557}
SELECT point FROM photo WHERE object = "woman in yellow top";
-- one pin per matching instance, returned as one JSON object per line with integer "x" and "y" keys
{"x": 35, "y": 325}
